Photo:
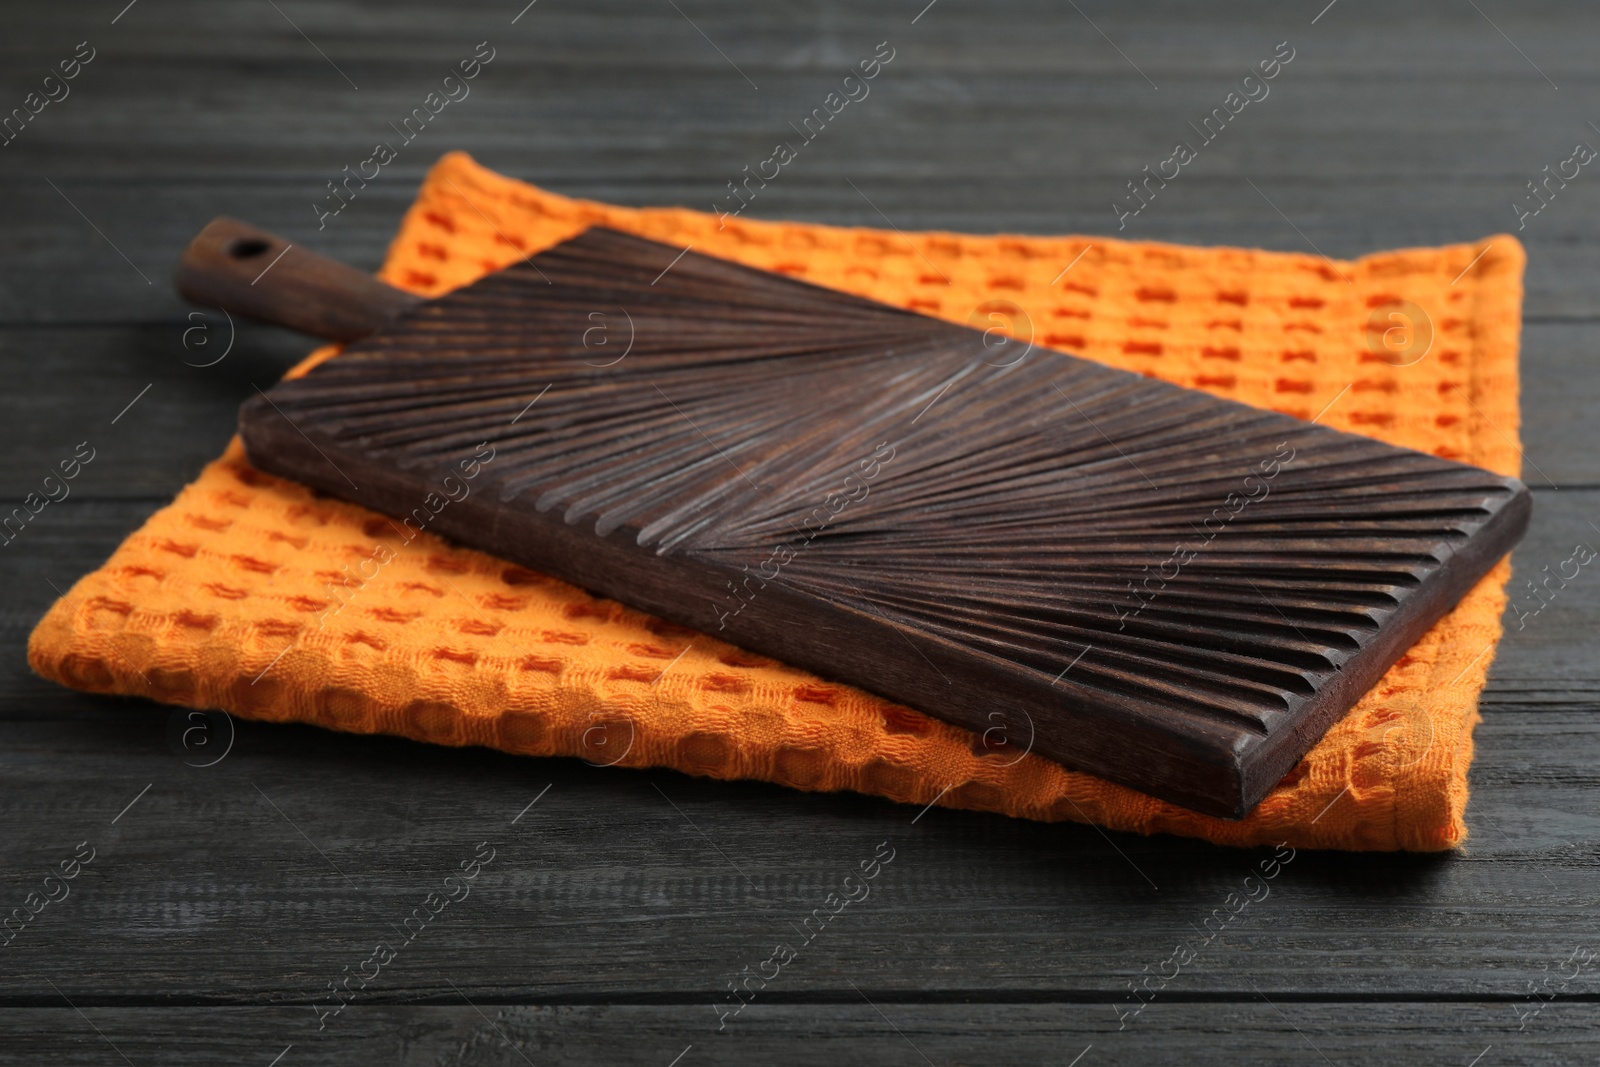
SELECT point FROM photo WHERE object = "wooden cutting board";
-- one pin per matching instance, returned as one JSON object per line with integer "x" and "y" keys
{"x": 1166, "y": 589}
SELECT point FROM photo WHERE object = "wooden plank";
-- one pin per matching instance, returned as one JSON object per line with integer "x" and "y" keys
{"x": 1560, "y": 395}
{"x": 204, "y": 885}
{"x": 1546, "y": 655}
{"x": 1396, "y": 124}
{"x": 142, "y": 398}
{"x": 998, "y": 73}
{"x": 885, "y": 1029}
{"x": 151, "y": 225}
{"x": 1030, "y": 120}
{"x": 606, "y": 888}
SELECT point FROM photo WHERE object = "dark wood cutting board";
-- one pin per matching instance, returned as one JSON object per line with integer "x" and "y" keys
{"x": 1173, "y": 591}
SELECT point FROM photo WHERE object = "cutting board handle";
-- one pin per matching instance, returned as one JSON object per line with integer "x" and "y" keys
{"x": 249, "y": 272}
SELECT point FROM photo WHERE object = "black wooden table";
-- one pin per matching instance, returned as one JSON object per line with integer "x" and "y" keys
{"x": 223, "y": 900}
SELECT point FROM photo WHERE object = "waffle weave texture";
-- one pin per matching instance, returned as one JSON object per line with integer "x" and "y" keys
{"x": 220, "y": 600}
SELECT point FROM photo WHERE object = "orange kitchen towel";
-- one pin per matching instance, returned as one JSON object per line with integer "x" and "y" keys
{"x": 221, "y": 599}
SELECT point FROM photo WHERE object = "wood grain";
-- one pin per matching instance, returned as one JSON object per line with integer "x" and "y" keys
{"x": 1413, "y": 124}
{"x": 249, "y": 272}
{"x": 747, "y": 454}
{"x": 885, "y": 1028}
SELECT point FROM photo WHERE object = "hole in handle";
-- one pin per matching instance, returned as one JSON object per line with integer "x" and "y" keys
{"x": 246, "y": 247}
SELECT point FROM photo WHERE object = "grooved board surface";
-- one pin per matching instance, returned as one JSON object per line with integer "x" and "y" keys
{"x": 1171, "y": 590}
{"x": 208, "y": 923}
